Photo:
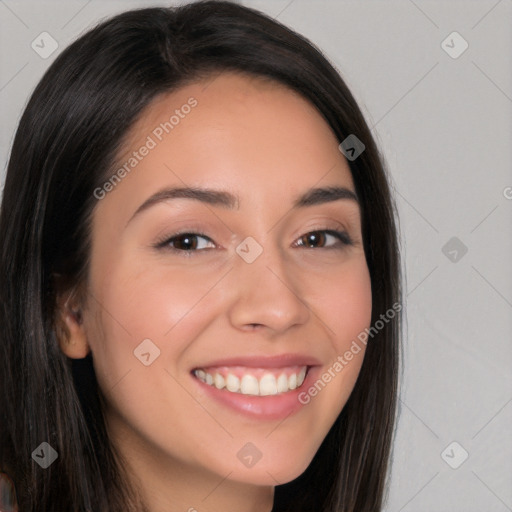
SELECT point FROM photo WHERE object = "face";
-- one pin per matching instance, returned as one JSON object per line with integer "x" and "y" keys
{"x": 212, "y": 317}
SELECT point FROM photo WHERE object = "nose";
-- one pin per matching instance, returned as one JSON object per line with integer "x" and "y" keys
{"x": 266, "y": 293}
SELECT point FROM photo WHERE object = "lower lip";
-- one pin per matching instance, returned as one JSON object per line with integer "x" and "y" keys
{"x": 269, "y": 407}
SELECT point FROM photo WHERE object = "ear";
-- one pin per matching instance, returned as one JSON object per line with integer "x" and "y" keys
{"x": 69, "y": 325}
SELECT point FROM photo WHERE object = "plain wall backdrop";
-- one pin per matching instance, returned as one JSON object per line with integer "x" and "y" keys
{"x": 434, "y": 79}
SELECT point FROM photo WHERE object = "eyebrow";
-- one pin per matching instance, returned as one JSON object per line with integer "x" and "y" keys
{"x": 311, "y": 197}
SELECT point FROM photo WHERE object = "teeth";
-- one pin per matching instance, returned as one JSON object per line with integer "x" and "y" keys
{"x": 292, "y": 381}
{"x": 232, "y": 383}
{"x": 268, "y": 385}
{"x": 301, "y": 377}
{"x": 282, "y": 383}
{"x": 219, "y": 381}
{"x": 248, "y": 384}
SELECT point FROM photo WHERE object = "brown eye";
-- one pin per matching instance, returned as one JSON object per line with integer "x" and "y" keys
{"x": 186, "y": 243}
{"x": 319, "y": 239}
{"x": 313, "y": 238}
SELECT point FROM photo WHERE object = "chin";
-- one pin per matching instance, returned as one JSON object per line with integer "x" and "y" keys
{"x": 272, "y": 473}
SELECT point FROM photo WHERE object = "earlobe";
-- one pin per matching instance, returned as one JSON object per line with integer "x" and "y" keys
{"x": 70, "y": 329}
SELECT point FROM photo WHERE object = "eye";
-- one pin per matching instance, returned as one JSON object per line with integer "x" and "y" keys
{"x": 320, "y": 237}
{"x": 185, "y": 243}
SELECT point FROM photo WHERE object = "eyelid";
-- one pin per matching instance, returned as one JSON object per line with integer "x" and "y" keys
{"x": 341, "y": 235}
{"x": 163, "y": 243}
{"x": 326, "y": 225}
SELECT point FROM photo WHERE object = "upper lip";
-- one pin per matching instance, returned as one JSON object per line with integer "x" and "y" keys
{"x": 276, "y": 361}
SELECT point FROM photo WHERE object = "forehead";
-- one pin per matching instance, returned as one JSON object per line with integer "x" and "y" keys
{"x": 250, "y": 135}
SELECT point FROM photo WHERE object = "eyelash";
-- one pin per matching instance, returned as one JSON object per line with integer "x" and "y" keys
{"x": 164, "y": 244}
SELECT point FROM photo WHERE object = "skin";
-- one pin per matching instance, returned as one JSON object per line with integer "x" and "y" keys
{"x": 265, "y": 143}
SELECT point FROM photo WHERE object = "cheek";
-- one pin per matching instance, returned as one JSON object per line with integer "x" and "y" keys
{"x": 140, "y": 334}
{"x": 143, "y": 328}
{"x": 141, "y": 301}
{"x": 344, "y": 303}
{"x": 345, "y": 309}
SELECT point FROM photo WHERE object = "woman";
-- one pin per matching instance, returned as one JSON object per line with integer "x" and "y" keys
{"x": 199, "y": 276}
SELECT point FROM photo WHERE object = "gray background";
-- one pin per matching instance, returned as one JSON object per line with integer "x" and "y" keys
{"x": 444, "y": 125}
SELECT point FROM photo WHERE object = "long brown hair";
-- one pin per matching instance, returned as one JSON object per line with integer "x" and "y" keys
{"x": 64, "y": 148}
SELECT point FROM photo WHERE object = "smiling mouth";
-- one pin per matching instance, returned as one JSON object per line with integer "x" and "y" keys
{"x": 253, "y": 381}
